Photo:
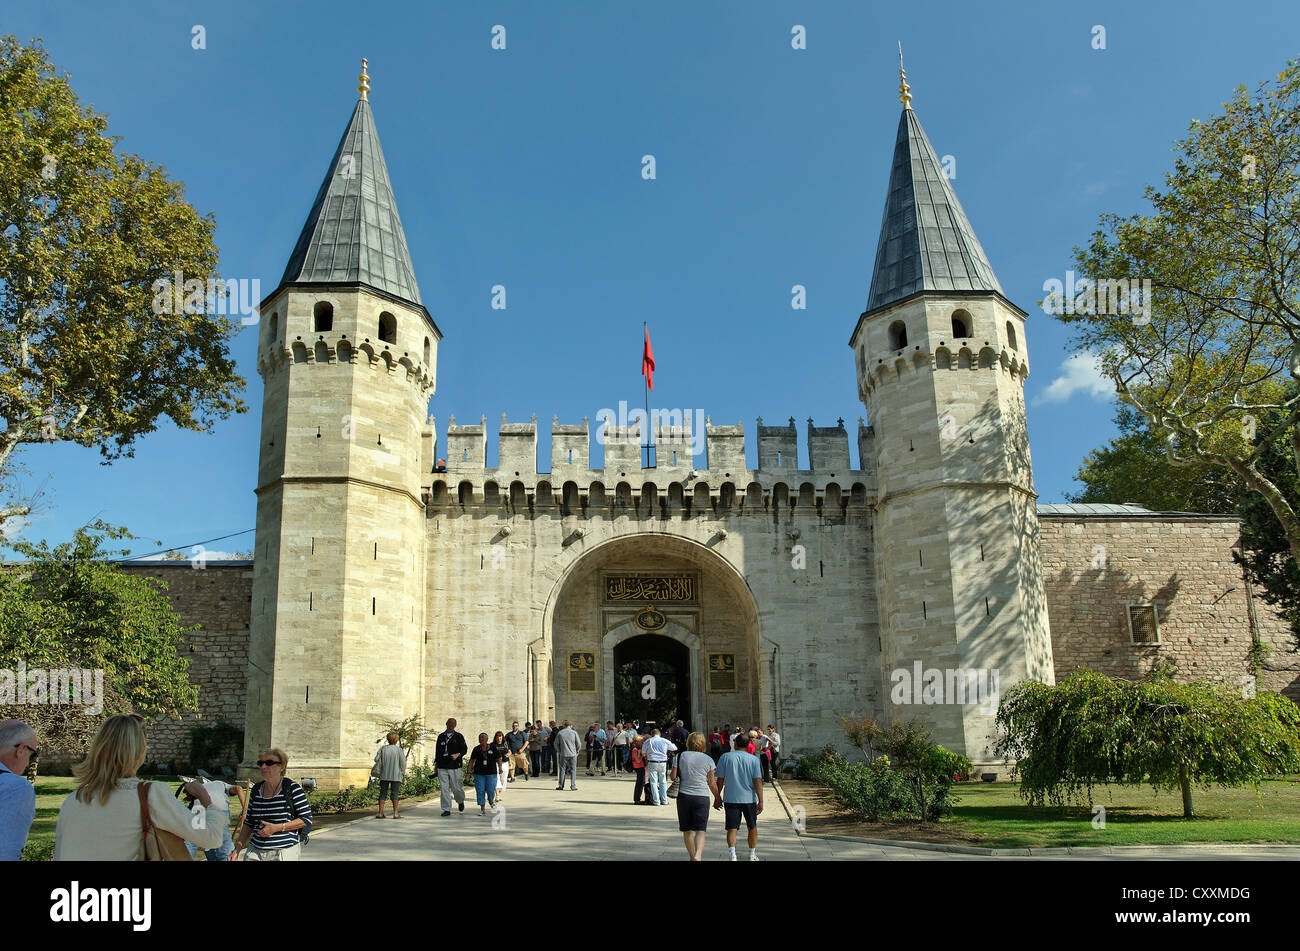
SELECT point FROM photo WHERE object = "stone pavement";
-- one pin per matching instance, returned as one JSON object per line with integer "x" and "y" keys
{"x": 598, "y": 822}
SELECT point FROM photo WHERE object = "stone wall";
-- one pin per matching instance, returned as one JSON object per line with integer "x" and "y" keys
{"x": 1095, "y": 566}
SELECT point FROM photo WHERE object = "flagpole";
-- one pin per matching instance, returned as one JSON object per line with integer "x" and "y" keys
{"x": 645, "y": 382}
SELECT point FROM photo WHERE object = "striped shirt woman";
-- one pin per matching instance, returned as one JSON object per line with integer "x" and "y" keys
{"x": 276, "y": 811}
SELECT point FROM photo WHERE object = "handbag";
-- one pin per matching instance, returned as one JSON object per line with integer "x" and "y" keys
{"x": 159, "y": 844}
{"x": 675, "y": 786}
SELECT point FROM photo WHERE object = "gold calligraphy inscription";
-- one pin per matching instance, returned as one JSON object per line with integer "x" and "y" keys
{"x": 650, "y": 588}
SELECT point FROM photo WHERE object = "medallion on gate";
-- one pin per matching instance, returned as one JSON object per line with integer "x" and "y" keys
{"x": 650, "y": 620}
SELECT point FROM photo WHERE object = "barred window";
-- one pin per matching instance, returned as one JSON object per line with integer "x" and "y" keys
{"x": 1143, "y": 624}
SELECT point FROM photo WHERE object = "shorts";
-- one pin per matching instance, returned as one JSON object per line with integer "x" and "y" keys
{"x": 735, "y": 810}
{"x": 389, "y": 789}
{"x": 692, "y": 813}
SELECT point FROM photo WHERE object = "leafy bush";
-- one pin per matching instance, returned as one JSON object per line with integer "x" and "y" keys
{"x": 881, "y": 791}
{"x": 420, "y": 781}
{"x": 947, "y": 763}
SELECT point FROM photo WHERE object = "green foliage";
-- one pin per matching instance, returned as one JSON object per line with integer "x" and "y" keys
{"x": 660, "y": 709}
{"x": 862, "y": 732}
{"x": 1134, "y": 468}
{"x": 927, "y": 767}
{"x": 410, "y": 733}
{"x": 212, "y": 747}
{"x": 1090, "y": 729}
{"x": 70, "y": 607}
{"x": 421, "y": 780}
{"x": 880, "y": 791}
{"x": 87, "y": 231}
{"x": 944, "y": 762}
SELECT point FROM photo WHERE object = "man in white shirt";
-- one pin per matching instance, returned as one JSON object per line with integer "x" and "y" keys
{"x": 622, "y": 739}
{"x": 656, "y": 750}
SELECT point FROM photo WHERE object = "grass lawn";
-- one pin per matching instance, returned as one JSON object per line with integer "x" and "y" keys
{"x": 52, "y": 790}
{"x": 994, "y": 816}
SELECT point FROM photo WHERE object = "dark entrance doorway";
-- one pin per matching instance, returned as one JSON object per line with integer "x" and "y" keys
{"x": 663, "y": 698}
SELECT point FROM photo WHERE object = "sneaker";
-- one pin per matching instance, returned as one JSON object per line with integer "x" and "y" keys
{"x": 446, "y": 813}
{"x": 753, "y": 856}
{"x": 733, "y": 856}
{"x": 559, "y": 787}
{"x": 462, "y": 807}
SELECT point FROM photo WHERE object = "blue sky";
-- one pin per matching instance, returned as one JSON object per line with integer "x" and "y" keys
{"x": 522, "y": 167}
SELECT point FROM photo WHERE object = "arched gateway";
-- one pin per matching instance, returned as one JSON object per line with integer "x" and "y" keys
{"x": 652, "y": 626}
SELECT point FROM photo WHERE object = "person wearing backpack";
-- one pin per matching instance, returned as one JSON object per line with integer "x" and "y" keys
{"x": 277, "y": 817}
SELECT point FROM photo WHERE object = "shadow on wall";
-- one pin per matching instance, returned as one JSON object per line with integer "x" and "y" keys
{"x": 1097, "y": 602}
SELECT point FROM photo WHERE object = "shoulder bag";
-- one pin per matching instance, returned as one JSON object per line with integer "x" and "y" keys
{"x": 159, "y": 844}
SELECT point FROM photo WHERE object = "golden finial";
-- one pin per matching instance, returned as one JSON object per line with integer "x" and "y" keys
{"x": 904, "y": 90}
{"x": 364, "y": 80}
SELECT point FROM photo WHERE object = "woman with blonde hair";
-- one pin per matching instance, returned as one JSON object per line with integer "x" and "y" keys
{"x": 695, "y": 767}
{"x": 276, "y": 810}
{"x": 101, "y": 820}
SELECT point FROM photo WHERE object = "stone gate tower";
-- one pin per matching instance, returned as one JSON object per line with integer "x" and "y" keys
{"x": 942, "y": 360}
{"x": 347, "y": 355}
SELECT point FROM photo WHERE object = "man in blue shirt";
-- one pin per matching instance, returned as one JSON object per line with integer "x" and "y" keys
{"x": 17, "y": 797}
{"x": 740, "y": 789}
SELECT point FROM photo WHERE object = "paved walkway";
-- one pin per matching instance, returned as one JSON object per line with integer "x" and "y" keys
{"x": 599, "y": 822}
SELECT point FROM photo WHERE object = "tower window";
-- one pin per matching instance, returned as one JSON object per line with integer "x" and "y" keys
{"x": 323, "y": 316}
{"x": 387, "y": 327}
{"x": 897, "y": 335}
{"x": 961, "y": 324}
{"x": 426, "y": 351}
{"x": 273, "y": 329}
{"x": 1011, "y": 336}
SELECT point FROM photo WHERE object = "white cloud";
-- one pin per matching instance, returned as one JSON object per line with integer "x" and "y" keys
{"x": 1081, "y": 372}
{"x": 208, "y": 555}
{"x": 13, "y": 526}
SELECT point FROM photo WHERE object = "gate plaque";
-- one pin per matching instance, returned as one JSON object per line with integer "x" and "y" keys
{"x": 582, "y": 672}
{"x": 722, "y": 673}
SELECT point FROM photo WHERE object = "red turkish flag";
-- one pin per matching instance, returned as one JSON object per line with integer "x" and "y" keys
{"x": 648, "y": 361}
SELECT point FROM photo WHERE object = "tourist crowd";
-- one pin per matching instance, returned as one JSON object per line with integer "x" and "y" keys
{"x": 112, "y": 815}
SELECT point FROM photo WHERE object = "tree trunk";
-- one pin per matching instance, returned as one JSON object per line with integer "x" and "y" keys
{"x": 1186, "y": 782}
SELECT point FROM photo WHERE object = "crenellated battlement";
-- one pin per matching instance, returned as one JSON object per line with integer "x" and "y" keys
{"x": 337, "y": 348}
{"x": 725, "y": 483}
{"x": 958, "y": 355}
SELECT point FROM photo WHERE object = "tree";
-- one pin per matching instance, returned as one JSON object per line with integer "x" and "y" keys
{"x": 411, "y": 732}
{"x": 862, "y": 733}
{"x": 922, "y": 763}
{"x": 70, "y": 608}
{"x": 1134, "y": 468}
{"x": 1091, "y": 729}
{"x": 86, "y": 234}
{"x": 1207, "y": 356}
{"x": 1265, "y": 554}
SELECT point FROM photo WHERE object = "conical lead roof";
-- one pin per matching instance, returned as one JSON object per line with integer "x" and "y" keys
{"x": 926, "y": 243}
{"x": 353, "y": 233}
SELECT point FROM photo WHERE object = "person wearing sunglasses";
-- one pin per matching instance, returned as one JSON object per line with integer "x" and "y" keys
{"x": 17, "y": 796}
{"x": 276, "y": 810}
